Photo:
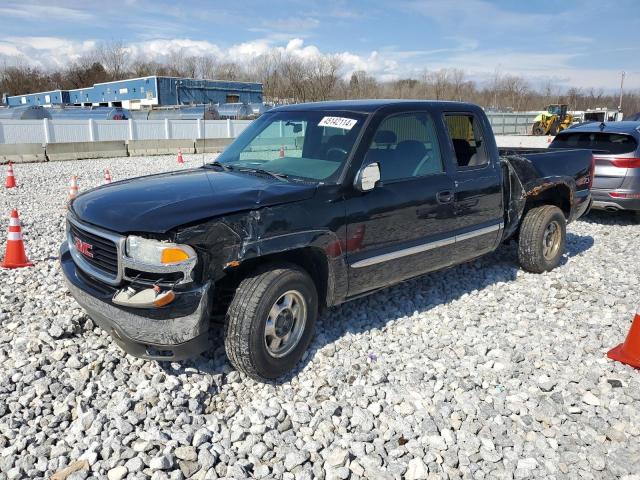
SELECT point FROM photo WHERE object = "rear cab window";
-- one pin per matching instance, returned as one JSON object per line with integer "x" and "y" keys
{"x": 601, "y": 142}
{"x": 467, "y": 140}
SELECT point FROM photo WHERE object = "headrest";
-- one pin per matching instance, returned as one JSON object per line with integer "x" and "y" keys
{"x": 385, "y": 137}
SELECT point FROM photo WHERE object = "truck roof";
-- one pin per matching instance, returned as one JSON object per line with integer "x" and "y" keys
{"x": 367, "y": 106}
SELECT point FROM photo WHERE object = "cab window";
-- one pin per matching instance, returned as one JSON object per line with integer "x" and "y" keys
{"x": 406, "y": 146}
{"x": 467, "y": 141}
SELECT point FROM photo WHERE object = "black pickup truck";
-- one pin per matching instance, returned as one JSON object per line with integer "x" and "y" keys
{"x": 311, "y": 206}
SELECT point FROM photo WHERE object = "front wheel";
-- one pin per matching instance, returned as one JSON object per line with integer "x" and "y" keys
{"x": 270, "y": 321}
{"x": 537, "y": 129}
{"x": 542, "y": 239}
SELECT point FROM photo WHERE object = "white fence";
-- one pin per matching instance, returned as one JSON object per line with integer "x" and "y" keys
{"x": 511, "y": 123}
{"x": 62, "y": 131}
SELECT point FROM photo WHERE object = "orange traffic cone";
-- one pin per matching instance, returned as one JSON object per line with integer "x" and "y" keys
{"x": 281, "y": 153}
{"x": 14, "y": 256}
{"x": 73, "y": 187}
{"x": 11, "y": 179}
{"x": 629, "y": 351}
{"x": 180, "y": 159}
{"x": 107, "y": 177}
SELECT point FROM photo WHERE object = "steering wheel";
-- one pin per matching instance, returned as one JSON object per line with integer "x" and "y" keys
{"x": 334, "y": 152}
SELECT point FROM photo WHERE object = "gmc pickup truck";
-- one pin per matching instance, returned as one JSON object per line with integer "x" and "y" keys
{"x": 311, "y": 206}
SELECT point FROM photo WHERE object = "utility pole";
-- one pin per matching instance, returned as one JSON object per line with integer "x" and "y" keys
{"x": 621, "y": 85}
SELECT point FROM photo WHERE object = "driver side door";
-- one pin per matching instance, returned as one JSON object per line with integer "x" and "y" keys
{"x": 405, "y": 225}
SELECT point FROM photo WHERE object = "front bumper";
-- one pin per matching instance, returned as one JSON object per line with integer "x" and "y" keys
{"x": 603, "y": 201}
{"x": 175, "y": 332}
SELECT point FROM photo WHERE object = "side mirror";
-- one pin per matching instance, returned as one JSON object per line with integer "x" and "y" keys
{"x": 367, "y": 177}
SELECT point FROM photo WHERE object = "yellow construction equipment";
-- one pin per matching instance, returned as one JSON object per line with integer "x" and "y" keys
{"x": 554, "y": 120}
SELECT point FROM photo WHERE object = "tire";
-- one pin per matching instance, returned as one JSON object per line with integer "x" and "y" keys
{"x": 256, "y": 299}
{"x": 542, "y": 239}
{"x": 555, "y": 128}
{"x": 537, "y": 129}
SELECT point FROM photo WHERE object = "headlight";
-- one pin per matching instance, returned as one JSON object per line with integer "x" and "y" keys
{"x": 158, "y": 253}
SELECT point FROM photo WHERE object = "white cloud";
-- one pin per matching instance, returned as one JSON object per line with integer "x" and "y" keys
{"x": 45, "y": 51}
{"x": 478, "y": 14}
{"x": 29, "y": 11}
{"x": 160, "y": 49}
{"x": 537, "y": 68}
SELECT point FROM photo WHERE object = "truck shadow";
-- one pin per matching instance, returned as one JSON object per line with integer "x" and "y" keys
{"x": 423, "y": 294}
{"x": 419, "y": 295}
{"x": 576, "y": 245}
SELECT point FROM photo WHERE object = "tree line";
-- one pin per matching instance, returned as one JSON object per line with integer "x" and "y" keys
{"x": 288, "y": 78}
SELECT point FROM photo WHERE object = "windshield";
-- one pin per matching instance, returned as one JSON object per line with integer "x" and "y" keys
{"x": 306, "y": 145}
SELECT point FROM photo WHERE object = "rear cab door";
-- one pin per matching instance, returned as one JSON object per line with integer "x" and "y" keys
{"x": 478, "y": 199}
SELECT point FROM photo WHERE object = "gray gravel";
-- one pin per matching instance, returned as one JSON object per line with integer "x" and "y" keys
{"x": 481, "y": 371}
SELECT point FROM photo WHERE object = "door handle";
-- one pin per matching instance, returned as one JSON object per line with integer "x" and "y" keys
{"x": 445, "y": 196}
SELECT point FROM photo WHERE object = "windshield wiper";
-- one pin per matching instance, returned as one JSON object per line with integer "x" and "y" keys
{"x": 279, "y": 176}
{"x": 228, "y": 168}
{"x": 216, "y": 163}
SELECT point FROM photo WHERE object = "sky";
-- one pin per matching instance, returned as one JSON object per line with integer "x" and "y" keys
{"x": 573, "y": 43}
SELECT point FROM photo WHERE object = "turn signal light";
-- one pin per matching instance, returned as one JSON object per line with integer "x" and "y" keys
{"x": 164, "y": 298}
{"x": 173, "y": 255}
{"x": 626, "y": 162}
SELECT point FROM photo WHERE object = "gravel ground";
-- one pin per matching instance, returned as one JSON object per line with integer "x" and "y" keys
{"x": 480, "y": 371}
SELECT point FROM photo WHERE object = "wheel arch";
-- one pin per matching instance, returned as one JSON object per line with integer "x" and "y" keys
{"x": 555, "y": 192}
{"x": 318, "y": 253}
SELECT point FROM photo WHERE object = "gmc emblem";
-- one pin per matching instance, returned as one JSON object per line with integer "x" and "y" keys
{"x": 83, "y": 247}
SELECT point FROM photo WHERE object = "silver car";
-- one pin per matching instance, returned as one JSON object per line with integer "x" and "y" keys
{"x": 616, "y": 151}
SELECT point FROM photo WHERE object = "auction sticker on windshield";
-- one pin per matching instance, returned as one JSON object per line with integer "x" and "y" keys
{"x": 338, "y": 122}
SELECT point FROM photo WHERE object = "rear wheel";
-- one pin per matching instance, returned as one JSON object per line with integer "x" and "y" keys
{"x": 542, "y": 239}
{"x": 270, "y": 321}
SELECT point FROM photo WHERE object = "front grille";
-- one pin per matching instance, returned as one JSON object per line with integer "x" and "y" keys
{"x": 105, "y": 252}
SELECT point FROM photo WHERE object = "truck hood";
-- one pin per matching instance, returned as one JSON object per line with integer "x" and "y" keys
{"x": 158, "y": 203}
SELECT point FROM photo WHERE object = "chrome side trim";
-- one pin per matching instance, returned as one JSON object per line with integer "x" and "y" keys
{"x": 404, "y": 252}
{"x": 79, "y": 260}
{"x": 479, "y": 231}
{"x": 385, "y": 257}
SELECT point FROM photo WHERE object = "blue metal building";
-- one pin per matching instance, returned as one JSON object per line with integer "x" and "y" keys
{"x": 43, "y": 98}
{"x": 144, "y": 92}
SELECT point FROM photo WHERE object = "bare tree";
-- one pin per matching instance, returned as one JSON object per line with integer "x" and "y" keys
{"x": 114, "y": 56}
{"x": 363, "y": 85}
{"x": 291, "y": 78}
{"x": 206, "y": 66}
{"x": 267, "y": 69}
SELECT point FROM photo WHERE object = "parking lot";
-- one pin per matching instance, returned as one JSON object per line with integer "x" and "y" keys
{"x": 479, "y": 371}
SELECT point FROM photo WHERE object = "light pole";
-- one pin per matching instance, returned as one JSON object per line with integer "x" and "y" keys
{"x": 621, "y": 85}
